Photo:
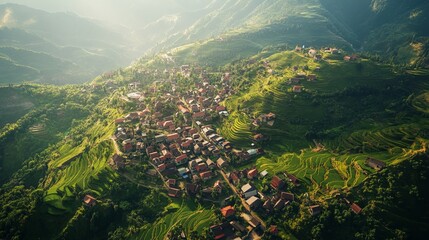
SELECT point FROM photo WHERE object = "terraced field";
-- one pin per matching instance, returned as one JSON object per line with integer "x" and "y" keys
{"x": 90, "y": 171}
{"x": 421, "y": 103}
{"x": 237, "y": 128}
{"x": 324, "y": 172}
{"x": 189, "y": 217}
{"x": 327, "y": 171}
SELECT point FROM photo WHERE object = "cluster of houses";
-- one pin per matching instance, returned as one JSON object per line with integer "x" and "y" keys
{"x": 189, "y": 153}
{"x": 188, "y": 150}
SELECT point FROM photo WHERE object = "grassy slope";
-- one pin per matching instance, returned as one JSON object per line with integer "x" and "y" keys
{"x": 46, "y": 129}
{"x": 353, "y": 126}
{"x": 186, "y": 214}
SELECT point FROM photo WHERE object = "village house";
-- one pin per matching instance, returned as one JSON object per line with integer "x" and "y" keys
{"x": 221, "y": 163}
{"x": 210, "y": 163}
{"x": 254, "y": 202}
{"x": 273, "y": 230}
{"x": 206, "y": 175}
{"x": 297, "y": 88}
{"x": 312, "y": 53}
{"x": 227, "y": 211}
{"x": 277, "y": 183}
{"x": 174, "y": 192}
{"x": 234, "y": 178}
{"x": 198, "y": 115}
{"x": 375, "y": 164}
{"x": 259, "y": 138}
{"x": 119, "y": 120}
{"x": 171, "y": 182}
{"x": 192, "y": 189}
{"x": 182, "y": 159}
{"x": 89, "y": 201}
{"x": 172, "y": 137}
{"x": 315, "y": 210}
{"x": 252, "y": 173}
{"x": 311, "y": 77}
{"x": 249, "y": 191}
{"x": 201, "y": 167}
{"x": 355, "y": 208}
{"x": 160, "y": 138}
{"x": 253, "y": 222}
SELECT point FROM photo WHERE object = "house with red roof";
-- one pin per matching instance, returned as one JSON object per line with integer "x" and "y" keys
{"x": 277, "y": 183}
{"x": 252, "y": 173}
{"x": 206, "y": 175}
{"x": 227, "y": 211}
{"x": 355, "y": 208}
{"x": 89, "y": 200}
{"x": 182, "y": 159}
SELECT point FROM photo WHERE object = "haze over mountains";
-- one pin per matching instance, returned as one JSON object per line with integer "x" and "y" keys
{"x": 63, "y": 47}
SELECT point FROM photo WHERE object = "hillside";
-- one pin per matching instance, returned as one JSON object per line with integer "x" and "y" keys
{"x": 60, "y": 47}
{"x": 258, "y": 119}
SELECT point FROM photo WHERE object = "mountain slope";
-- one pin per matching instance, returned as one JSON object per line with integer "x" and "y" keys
{"x": 82, "y": 48}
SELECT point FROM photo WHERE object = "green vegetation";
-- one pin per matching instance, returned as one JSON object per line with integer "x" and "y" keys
{"x": 186, "y": 215}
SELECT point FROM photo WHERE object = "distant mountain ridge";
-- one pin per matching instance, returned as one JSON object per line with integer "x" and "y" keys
{"x": 78, "y": 49}
{"x": 389, "y": 28}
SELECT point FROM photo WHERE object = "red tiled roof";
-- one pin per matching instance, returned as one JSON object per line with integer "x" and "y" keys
{"x": 227, "y": 211}
{"x": 277, "y": 183}
{"x": 355, "y": 208}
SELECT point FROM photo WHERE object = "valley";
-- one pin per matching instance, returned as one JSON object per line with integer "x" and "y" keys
{"x": 242, "y": 120}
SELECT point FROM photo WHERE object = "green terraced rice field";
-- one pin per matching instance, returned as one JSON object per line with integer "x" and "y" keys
{"x": 89, "y": 171}
{"x": 189, "y": 217}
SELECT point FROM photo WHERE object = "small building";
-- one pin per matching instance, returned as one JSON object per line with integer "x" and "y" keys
{"x": 264, "y": 173}
{"x": 182, "y": 159}
{"x": 174, "y": 192}
{"x": 375, "y": 164}
{"x": 89, "y": 200}
{"x": 227, "y": 211}
{"x": 210, "y": 164}
{"x": 254, "y": 202}
{"x": 221, "y": 163}
{"x": 259, "y": 138}
{"x": 206, "y": 175}
{"x": 252, "y": 173}
{"x": 250, "y": 220}
{"x": 315, "y": 210}
{"x": 297, "y": 89}
{"x": 355, "y": 208}
{"x": 277, "y": 183}
{"x": 160, "y": 138}
{"x": 172, "y": 137}
{"x": 249, "y": 191}
{"x": 171, "y": 182}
